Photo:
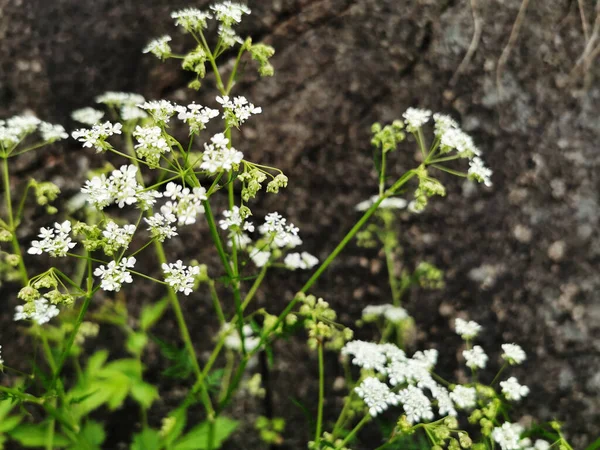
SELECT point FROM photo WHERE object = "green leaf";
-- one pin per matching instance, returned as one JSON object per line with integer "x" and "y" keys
{"x": 152, "y": 313}
{"x": 136, "y": 342}
{"x": 9, "y": 423}
{"x": 30, "y": 435}
{"x": 92, "y": 436}
{"x": 197, "y": 438}
{"x": 144, "y": 393}
{"x": 148, "y": 439}
{"x": 180, "y": 418}
{"x": 96, "y": 361}
{"x": 594, "y": 445}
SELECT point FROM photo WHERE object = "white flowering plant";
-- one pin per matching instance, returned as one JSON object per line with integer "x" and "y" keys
{"x": 156, "y": 186}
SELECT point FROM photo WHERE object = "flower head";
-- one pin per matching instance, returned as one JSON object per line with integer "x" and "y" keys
{"x": 376, "y": 395}
{"x": 87, "y": 116}
{"x": 512, "y": 390}
{"x": 513, "y": 353}
{"x": 191, "y": 19}
{"x": 41, "y": 313}
{"x": 179, "y": 277}
{"x": 467, "y": 330}
{"x": 159, "y": 47}
{"x": 115, "y": 274}
{"x": 464, "y": 397}
{"x": 54, "y": 241}
{"x": 415, "y": 118}
{"x": 476, "y": 357}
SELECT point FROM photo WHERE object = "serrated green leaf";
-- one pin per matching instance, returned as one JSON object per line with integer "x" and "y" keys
{"x": 144, "y": 393}
{"x": 197, "y": 437}
{"x": 180, "y": 416}
{"x": 148, "y": 439}
{"x": 30, "y": 435}
{"x": 91, "y": 436}
{"x": 152, "y": 313}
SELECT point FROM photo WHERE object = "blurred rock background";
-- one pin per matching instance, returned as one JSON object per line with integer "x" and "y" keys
{"x": 520, "y": 257}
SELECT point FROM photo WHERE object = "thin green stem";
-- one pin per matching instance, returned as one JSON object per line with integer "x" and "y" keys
{"x": 11, "y": 221}
{"x": 355, "y": 430}
{"x": 255, "y": 286}
{"x": 321, "y": 394}
{"x": 216, "y": 302}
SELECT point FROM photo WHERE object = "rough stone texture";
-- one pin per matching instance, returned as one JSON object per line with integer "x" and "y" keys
{"x": 520, "y": 257}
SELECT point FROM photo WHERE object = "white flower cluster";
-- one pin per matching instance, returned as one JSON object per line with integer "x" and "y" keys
{"x": 160, "y": 110}
{"x": 161, "y": 227}
{"x": 54, "y": 241}
{"x": 121, "y": 187}
{"x": 185, "y": 206}
{"x": 219, "y": 156}
{"x": 387, "y": 203}
{"x": 234, "y": 342}
{"x": 115, "y": 274}
{"x": 119, "y": 99}
{"x": 512, "y": 390}
{"x": 229, "y": 14}
{"x": 376, "y": 395}
{"x": 159, "y": 47}
{"x": 196, "y": 116}
{"x": 389, "y": 312}
{"x": 412, "y": 373}
{"x": 236, "y": 111}
{"x": 508, "y": 436}
{"x": 464, "y": 397}
{"x": 14, "y": 129}
{"x": 87, "y": 116}
{"x": 117, "y": 237}
{"x": 191, "y": 19}
{"x": 151, "y": 144}
{"x": 467, "y": 330}
{"x": 97, "y": 135}
{"x": 41, "y": 314}
{"x": 513, "y": 354}
{"x": 280, "y": 233}
{"x": 232, "y": 220}
{"x": 415, "y": 118}
{"x": 260, "y": 257}
{"x": 180, "y": 277}
{"x": 303, "y": 261}
{"x": 475, "y": 358}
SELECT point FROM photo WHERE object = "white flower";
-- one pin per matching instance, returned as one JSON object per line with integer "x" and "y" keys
{"x": 478, "y": 172}
{"x": 52, "y": 133}
{"x": 367, "y": 355}
{"x": 87, "y": 116}
{"x": 159, "y": 47}
{"x": 232, "y": 219}
{"x": 508, "y": 435}
{"x": 191, "y": 19}
{"x": 456, "y": 139}
{"x": 180, "y": 277}
{"x": 234, "y": 342}
{"x": 539, "y": 445}
{"x": 132, "y": 112}
{"x": 160, "y": 110}
{"x": 512, "y": 390}
{"x": 41, "y": 314}
{"x": 120, "y": 187}
{"x": 187, "y": 206}
{"x": 115, "y": 274}
{"x": 441, "y": 394}
{"x": 22, "y": 125}
{"x": 304, "y": 261}
{"x": 395, "y": 314}
{"x": 229, "y": 12}
{"x": 259, "y": 257}
{"x": 387, "y": 203}
{"x": 282, "y": 234}
{"x": 376, "y": 395}
{"x": 415, "y": 370}
{"x": 466, "y": 330}
{"x": 238, "y": 110}
{"x": 443, "y": 123}
{"x": 117, "y": 237}
{"x": 56, "y": 242}
{"x": 371, "y": 312}
{"x": 416, "y": 404}
{"x": 196, "y": 116}
{"x": 151, "y": 144}
{"x": 415, "y": 118}
{"x": 475, "y": 358}
{"x": 218, "y": 156}
{"x": 161, "y": 227}
{"x": 97, "y": 135}
{"x": 464, "y": 397}
{"x": 120, "y": 98}
{"x": 513, "y": 353}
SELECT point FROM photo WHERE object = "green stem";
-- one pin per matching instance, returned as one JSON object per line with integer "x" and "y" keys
{"x": 24, "y": 397}
{"x": 321, "y": 395}
{"x": 355, "y": 430}
{"x": 216, "y": 302}
{"x": 255, "y": 286}
{"x": 11, "y": 222}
